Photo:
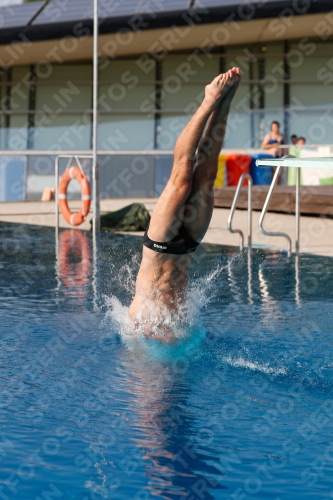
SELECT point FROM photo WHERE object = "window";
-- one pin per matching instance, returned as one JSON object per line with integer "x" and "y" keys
{"x": 184, "y": 80}
{"x": 126, "y": 104}
{"x": 63, "y": 107}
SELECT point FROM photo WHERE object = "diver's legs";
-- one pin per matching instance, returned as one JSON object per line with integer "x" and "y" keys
{"x": 168, "y": 214}
{"x": 200, "y": 203}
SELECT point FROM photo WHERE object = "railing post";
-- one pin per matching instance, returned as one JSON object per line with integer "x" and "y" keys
{"x": 249, "y": 213}
{"x": 95, "y": 168}
{"x": 298, "y": 208}
{"x": 56, "y": 198}
{"x": 264, "y": 210}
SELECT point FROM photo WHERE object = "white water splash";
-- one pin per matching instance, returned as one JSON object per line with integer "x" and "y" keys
{"x": 181, "y": 324}
{"x": 157, "y": 318}
{"x": 240, "y": 362}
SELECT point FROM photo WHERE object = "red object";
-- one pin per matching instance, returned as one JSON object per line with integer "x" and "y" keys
{"x": 69, "y": 174}
{"x": 236, "y": 166}
{"x": 74, "y": 243}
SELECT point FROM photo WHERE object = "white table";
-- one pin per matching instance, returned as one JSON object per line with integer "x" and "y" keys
{"x": 289, "y": 161}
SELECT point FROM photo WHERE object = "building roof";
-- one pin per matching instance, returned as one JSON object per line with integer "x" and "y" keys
{"x": 39, "y": 21}
{"x": 18, "y": 16}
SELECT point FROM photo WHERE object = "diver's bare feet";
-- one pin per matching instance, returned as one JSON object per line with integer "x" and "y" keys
{"x": 230, "y": 94}
{"x": 220, "y": 86}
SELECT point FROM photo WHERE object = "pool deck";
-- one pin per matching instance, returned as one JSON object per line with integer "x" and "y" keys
{"x": 316, "y": 232}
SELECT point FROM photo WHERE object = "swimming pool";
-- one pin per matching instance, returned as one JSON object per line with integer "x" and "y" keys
{"x": 242, "y": 410}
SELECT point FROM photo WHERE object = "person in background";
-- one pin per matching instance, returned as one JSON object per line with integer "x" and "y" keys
{"x": 293, "y": 139}
{"x": 273, "y": 140}
{"x": 301, "y": 141}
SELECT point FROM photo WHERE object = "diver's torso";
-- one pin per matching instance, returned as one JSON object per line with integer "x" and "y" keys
{"x": 162, "y": 279}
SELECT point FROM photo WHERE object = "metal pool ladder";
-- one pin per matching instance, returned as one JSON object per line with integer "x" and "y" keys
{"x": 297, "y": 210}
{"x": 249, "y": 211}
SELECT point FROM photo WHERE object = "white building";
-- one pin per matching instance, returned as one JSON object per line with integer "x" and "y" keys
{"x": 155, "y": 58}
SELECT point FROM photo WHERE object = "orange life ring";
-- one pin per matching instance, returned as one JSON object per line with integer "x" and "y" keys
{"x": 74, "y": 243}
{"x": 69, "y": 174}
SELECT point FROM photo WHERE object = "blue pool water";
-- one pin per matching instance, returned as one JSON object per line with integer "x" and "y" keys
{"x": 241, "y": 410}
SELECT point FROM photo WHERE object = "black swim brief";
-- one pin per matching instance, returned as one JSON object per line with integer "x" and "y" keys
{"x": 182, "y": 243}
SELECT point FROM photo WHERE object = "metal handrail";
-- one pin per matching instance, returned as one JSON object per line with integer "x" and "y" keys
{"x": 264, "y": 210}
{"x": 249, "y": 211}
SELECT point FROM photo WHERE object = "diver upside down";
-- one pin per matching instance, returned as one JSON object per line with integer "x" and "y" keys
{"x": 183, "y": 211}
